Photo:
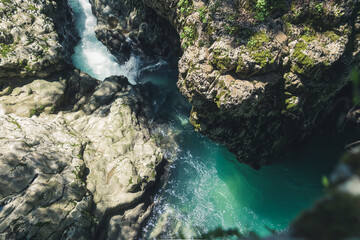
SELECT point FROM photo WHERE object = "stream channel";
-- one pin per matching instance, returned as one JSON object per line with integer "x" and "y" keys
{"x": 206, "y": 187}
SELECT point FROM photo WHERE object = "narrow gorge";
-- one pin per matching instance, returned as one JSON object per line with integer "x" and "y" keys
{"x": 179, "y": 119}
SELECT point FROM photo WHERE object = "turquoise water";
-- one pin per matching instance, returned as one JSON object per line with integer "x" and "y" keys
{"x": 206, "y": 188}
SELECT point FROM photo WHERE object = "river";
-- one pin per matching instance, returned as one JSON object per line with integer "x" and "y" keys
{"x": 207, "y": 188}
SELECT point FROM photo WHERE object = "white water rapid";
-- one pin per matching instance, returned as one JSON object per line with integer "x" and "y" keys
{"x": 207, "y": 188}
{"x": 91, "y": 56}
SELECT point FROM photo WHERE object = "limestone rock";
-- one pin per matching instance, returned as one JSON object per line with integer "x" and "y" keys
{"x": 35, "y": 37}
{"x": 128, "y": 26}
{"x": 76, "y": 155}
{"x": 43, "y": 192}
{"x": 259, "y": 81}
{"x": 92, "y": 162}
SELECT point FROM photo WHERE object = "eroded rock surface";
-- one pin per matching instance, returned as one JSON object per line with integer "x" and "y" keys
{"x": 80, "y": 168}
{"x": 259, "y": 79}
{"x": 42, "y": 174}
{"x": 76, "y": 157}
{"x": 35, "y": 37}
{"x": 128, "y": 26}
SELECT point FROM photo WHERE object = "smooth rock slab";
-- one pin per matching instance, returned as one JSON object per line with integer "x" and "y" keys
{"x": 41, "y": 181}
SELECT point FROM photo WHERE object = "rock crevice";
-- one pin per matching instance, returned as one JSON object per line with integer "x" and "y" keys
{"x": 76, "y": 154}
{"x": 259, "y": 79}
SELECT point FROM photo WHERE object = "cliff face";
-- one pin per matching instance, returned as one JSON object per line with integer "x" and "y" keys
{"x": 127, "y": 26}
{"x": 257, "y": 86}
{"x": 77, "y": 159}
{"x": 260, "y": 76}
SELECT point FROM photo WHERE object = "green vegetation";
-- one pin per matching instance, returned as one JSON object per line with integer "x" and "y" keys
{"x": 188, "y": 35}
{"x": 291, "y": 102}
{"x": 325, "y": 182}
{"x": 309, "y": 34}
{"x": 262, "y": 58}
{"x": 261, "y": 55}
{"x": 264, "y": 8}
{"x": 44, "y": 45}
{"x": 13, "y": 121}
{"x": 220, "y": 95}
{"x": 5, "y": 49}
{"x": 303, "y": 63}
{"x": 241, "y": 67}
{"x": 186, "y": 7}
{"x": 28, "y": 68}
{"x": 32, "y": 8}
{"x": 221, "y": 59}
{"x": 36, "y": 111}
{"x": 32, "y": 17}
{"x": 261, "y": 10}
{"x": 319, "y": 7}
{"x": 193, "y": 121}
{"x": 202, "y": 14}
{"x": 333, "y": 36}
{"x": 237, "y": 30}
{"x": 258, "y": 40}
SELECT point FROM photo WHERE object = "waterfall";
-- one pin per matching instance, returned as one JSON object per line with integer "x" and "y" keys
{"x": 91, "y": 56}
{"x": 207, "y": 188}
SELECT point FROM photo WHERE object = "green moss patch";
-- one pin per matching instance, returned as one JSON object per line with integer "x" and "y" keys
{"x": 221, "y": 59}
{"x": 303, "y": 63}
{"x": 258, "y": 40}
{"x": 5, "y": 49}
{"x": 332, "y": 36}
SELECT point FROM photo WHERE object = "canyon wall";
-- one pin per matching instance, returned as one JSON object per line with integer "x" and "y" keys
{"x": 258, "y": 78}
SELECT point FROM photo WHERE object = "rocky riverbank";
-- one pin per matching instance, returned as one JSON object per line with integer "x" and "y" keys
{"x": 77, "y": 159}
{"x": 258, "y": 77}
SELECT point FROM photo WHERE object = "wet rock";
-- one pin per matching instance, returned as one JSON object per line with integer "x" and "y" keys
{"x": 256, "y": 85}
{"x": 127, "y": 225}
{"x": 120, "y": 21}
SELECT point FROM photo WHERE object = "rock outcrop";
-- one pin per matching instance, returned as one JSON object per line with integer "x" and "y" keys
{"x": 64, "y": 175}
{"x": 35, "y": 37}
{"x": 259, "y": 76}
{"x": 77, "y": 159}
{"x": 129, "y": 26}
{"x": 336, "y": 215}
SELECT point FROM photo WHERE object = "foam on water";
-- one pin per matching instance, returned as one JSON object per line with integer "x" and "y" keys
{"x": 91, "y": 56}
{"x": 207, "y": 187}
